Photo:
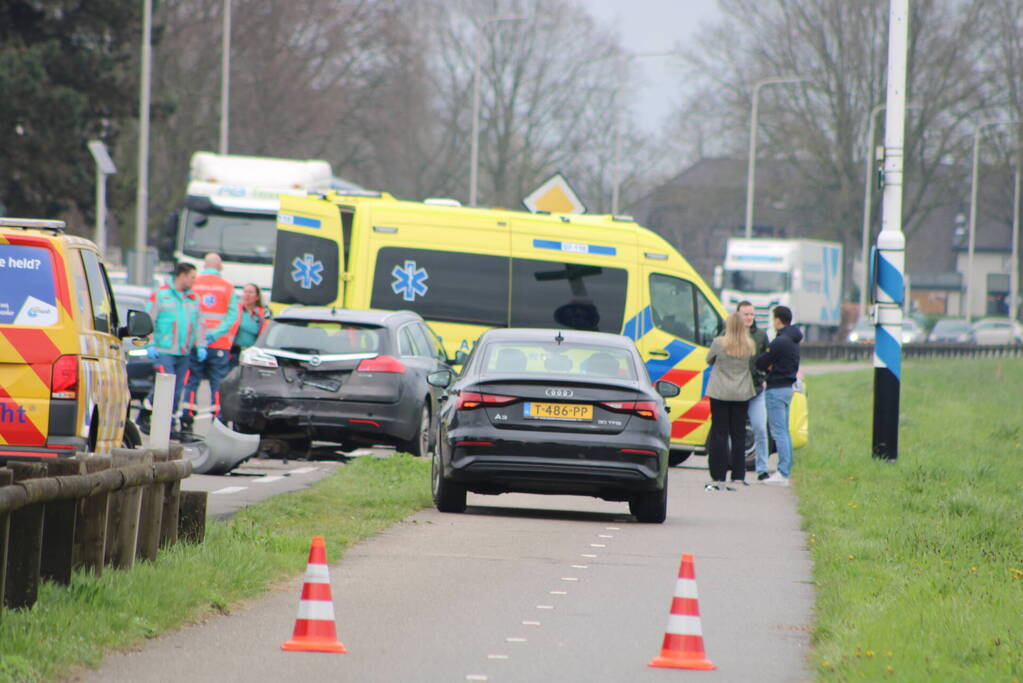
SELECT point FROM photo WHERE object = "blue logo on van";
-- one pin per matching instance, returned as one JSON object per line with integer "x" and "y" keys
{"x": 409, "y": 281}
{"x": 307, "y": 271}
{"x": 12, "y": 413}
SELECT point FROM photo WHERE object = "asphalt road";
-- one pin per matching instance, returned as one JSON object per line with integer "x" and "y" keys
{"x": 528, "y": 588}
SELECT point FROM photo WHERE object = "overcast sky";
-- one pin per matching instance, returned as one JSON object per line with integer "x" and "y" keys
{"x": 653, "y": 26}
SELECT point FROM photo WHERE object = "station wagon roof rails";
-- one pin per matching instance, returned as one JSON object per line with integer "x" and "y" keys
{"x": 32, "y": 223}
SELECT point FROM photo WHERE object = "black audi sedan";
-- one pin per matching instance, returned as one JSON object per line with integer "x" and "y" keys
{"x": 557, "y": 412}
{"x": 356, "y": 378}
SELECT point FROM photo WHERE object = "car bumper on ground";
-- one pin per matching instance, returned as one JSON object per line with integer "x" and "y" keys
{"x": 529, "y": 462}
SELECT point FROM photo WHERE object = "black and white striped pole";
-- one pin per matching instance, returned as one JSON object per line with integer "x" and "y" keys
{"x": 891, "y": 247}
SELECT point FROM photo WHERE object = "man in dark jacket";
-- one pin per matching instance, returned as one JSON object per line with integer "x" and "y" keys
{"x": 757, "y": 409}
{"x": 781, "y": 363}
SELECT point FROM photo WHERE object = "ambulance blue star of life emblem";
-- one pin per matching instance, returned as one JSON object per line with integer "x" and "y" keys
{"x": 307, "y": 271}
{"x": 409, "y": 281}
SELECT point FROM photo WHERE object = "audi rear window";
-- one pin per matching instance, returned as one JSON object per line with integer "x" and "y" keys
{"x": 27, "y": 293}
{"x": 541, "y": 358}
{"x": 322, "y": 337}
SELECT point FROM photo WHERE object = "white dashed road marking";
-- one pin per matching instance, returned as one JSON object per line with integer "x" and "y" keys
{"x": 229, "y": 489}
{"x": 597, "y": 545}
{"x": 476, "y": 677}
{"x": 545, "y": 606}
{"x": 302, "y": 470}
{"x": 559, "y": 592}
{"x": 612, "y": 528}
{"x": 267, "y": 479}
{"x": 580, "y": 566}
{"x": 589, "y": 555}
{"x": 497, "y": 656}
{"x": 530, "y": 623}
{"x": 515, "y": 639}
{"x": 604, "y": 536}
{"x": 569, "y": 578}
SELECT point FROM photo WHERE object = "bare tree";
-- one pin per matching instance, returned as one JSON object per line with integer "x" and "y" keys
{"x": 820, "y": 126}
{"x": 547, "y": 90}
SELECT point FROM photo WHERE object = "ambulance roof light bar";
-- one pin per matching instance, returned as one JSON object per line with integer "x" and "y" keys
{"x": 30, "y": 223}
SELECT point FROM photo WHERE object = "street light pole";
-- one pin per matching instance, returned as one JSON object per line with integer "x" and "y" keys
{"x": 142, "y": 191}
{"x": 474, "y": 153}
{"x": 891, "y": 246}
{"x": 751, "y": 170}
{"x": 868, "y": 202}
{"x": 1014, "y": 260}
{"x": 974, "y": 191}
{"x": 616, "y": 175}
{"x": 225, "y": 78}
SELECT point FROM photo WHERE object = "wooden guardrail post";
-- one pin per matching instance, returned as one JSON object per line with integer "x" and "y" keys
{"x": 123, "y": 516}
{"x": 6, "y": 477}
{"x": 25, "y": 542}
{"x": 59, "y": 527}
{"x": 91, "y": 532}
{"x": 192, "y": 526}
{"x": 171, "y": 503}
{"x": 151, "y": 514}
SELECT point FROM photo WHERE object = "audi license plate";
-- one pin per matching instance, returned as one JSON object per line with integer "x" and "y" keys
{"x": 557, "y": 411}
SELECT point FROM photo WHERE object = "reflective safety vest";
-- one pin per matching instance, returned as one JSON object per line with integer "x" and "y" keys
{"x": 218, "y": 302}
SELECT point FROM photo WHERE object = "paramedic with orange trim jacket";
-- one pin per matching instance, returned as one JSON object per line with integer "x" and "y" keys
{"x": 177, "y": 330}
{"x": 218, "y": 303}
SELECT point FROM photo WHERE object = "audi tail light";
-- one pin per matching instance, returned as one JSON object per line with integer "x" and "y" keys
{"x": 64, "y": 378}
{"x": 381, "y": 364}
{"x": 648, "y": 410}
{"x": 467, "y": 400}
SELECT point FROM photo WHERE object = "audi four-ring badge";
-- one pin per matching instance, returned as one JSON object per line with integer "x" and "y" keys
{"x": 558, "y": 412}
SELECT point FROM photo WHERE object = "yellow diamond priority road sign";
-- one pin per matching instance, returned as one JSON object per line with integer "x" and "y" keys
{"x": 554, "y": 196}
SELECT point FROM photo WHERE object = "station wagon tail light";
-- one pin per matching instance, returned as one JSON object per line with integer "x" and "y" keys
{"x": 646, "y": 409}
{"x": 381, "y": 364}
{"x": 467, "y": 400}
{"x": 257, "y": 357}
{"x": 64, "y": 380}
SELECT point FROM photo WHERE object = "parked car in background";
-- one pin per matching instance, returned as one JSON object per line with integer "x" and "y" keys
{"x": 865, "y": 331}
{"x": 554, "y": 412}
{"x": 862, "y": 332}
{"x": 951, "y": 331}
{"x": 356, "y": 378}
{"x": 912, "y": 332}
{"x": 139, "y": 365}
{"x": 990, "y": 331}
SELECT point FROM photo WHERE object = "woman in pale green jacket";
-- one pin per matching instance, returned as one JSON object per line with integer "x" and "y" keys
{"x": 730, "y": 388}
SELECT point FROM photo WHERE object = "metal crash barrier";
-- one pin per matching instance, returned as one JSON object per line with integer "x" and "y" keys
{"x": 865, "y": 352}
{"x": 90, "y": 512}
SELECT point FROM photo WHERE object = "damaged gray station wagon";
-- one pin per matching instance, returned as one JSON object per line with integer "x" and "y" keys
{"x": 356, "y": 378}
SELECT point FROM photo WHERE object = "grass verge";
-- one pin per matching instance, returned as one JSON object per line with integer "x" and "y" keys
{"x": 76, "y": 625}
{"x": 919, "y": 563}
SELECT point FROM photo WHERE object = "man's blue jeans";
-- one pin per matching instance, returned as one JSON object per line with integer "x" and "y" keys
{"x": 757, "y": 412}
{"x": 778, "y": 401}
{"x": 214, "y": 369}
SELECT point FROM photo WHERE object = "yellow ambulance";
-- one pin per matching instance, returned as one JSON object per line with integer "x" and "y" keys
{"x": 466, "y": 270}
{"x": 63, "y": 383}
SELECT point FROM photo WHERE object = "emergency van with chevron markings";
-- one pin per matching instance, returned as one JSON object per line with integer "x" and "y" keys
{"x": 466, "y": 270}
{"x": 63, "y": 383}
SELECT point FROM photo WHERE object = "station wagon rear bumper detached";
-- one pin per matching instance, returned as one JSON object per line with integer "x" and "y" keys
{"x": 502, "y": 461}
{"x": 336, "y": 421}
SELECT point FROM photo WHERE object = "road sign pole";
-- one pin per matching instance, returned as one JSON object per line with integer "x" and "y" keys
{"x": 891, "y": 245}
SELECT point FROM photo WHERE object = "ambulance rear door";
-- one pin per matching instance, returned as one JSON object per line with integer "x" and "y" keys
{"x": 310, "y": 257}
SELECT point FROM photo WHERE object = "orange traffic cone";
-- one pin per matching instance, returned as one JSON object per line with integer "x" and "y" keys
{"x": 314, "y": 628}
{"x": 683, "y": 638}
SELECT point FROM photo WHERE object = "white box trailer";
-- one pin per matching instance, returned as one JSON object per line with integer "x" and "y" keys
{"x": 805, "y": 275}
{"x": 231, "y": 207}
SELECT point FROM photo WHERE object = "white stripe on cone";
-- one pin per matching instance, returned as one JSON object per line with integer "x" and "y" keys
{"x": 317, "y": 610}
{"x": 317, "y": 573}
{"x": 685, "y": 588}
{"x": 681, "y": 625}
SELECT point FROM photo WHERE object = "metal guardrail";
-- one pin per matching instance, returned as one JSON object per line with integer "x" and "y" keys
{"x": 855, "y": 352}
{"x": 90, "y": 512}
